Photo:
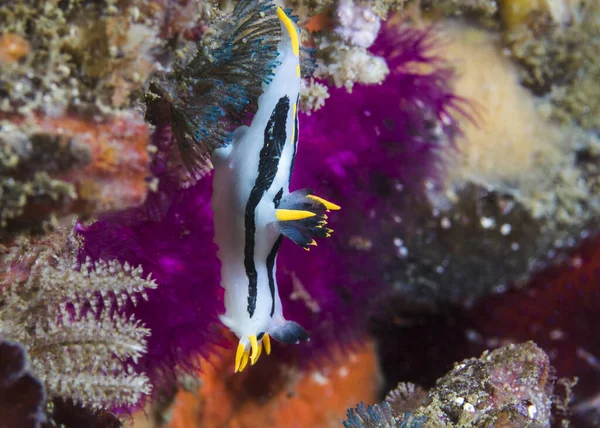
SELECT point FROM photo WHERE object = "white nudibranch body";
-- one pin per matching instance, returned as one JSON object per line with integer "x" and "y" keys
{"x": 253, "y": 208}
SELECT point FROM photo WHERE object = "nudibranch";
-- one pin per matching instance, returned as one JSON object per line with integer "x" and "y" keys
{"x": 254, "y": 210}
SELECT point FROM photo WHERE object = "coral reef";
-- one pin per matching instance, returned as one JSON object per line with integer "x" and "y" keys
{"x": 510, "y": 386}
{"x": 51, "y": 167}
{"x": 60, "y": 56}
{"x": 560, "y": 59}
{"x": 21, "y": 394}
{"x": 463, "y": 205}
{"x": 71, "y": 78}
{"x": 71, "y": 321}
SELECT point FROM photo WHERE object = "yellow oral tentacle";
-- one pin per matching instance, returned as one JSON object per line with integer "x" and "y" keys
{"x": 244, "y": 360}
{"x": 254, "y": 346}
{"x": 267, "y": 342}
{"x": 238, "y": 356}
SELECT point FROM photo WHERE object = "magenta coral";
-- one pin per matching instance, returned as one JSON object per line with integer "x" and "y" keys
{"x": 353, "y": 152}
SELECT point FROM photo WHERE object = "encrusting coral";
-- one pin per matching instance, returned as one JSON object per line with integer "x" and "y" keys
{"x": 70, "y": 317}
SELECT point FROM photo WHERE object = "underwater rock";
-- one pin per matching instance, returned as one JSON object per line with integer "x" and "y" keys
{"x": 557, "y": 309}
{"x": 480, "y": 244}
{"x": 21, "y": 394}
{"x": 54, "y": 166}
{"x": 481, "y": 11}
{"x": 558, "y": 57}
{"x": 510, "y": 386}
{"x": 66, "y": 414}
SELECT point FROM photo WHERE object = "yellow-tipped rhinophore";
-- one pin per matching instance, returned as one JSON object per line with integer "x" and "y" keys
{"x": 328, "y": 205}
{"x": 288, "y": 215}
{"x": 291, "y": 29}
{"x": 267, "y": 341}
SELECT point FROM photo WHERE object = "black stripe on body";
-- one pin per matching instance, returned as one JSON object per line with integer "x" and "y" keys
{"x": 270, "y": 265}
{"x": 277, "y": 198}
{"x": 270, "y": 155}
{"x": 295, "y": 141}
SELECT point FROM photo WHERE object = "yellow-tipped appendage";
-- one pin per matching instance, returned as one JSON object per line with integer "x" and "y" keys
{"x": 329, "y": 206}
{"x": 289, "y": 215}
{"x": 254, "y": 347}
{"x": 239, "y": 355}
{"x": 291, "y": 29}
{"x": 251, "y": 352}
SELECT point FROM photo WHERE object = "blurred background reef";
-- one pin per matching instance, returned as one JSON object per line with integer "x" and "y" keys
{"x": 461, "y": 286}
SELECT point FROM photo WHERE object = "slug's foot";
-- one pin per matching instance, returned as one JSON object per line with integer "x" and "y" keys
{"x": 301, "y": 217}
{"x": 251, "y": 350}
